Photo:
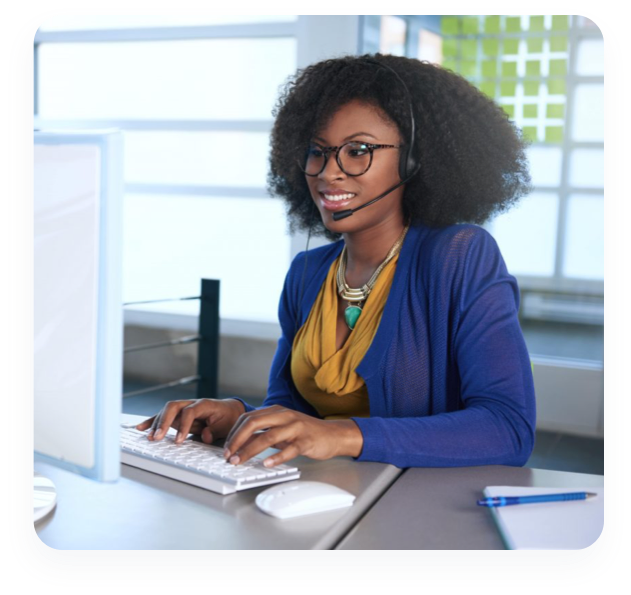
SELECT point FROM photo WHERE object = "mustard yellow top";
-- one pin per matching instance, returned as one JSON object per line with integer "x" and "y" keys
{"x": 324, "y": 377}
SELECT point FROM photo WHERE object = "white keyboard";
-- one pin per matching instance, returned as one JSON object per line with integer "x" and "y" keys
{"x": 198, "y": 463}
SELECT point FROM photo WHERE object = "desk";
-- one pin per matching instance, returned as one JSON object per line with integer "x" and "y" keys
{"x": 436, "y": 508}
{"x": 147, "y": 511}
{"x": 414, "y": 509}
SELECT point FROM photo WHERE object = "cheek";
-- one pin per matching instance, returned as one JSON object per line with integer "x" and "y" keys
{"x": 384, "y": 174}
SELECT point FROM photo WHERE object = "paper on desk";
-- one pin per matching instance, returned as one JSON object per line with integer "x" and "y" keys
{"x": 549, "y": 525}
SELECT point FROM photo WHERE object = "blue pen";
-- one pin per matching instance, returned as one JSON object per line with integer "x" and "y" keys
{"x": 508, "y": 500}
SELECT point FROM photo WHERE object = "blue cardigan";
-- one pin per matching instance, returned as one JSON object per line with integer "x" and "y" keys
{"x": 448, "y": 374}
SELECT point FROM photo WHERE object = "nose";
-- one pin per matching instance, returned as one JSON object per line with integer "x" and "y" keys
{"x": 331, "y": 169}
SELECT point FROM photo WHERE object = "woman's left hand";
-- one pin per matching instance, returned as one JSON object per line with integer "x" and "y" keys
{"x": 293, "y": 433}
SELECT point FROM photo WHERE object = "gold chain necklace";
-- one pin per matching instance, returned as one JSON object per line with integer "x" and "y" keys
{"x": 355, "y": 296}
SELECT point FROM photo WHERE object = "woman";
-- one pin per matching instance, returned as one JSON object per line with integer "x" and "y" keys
{"x": 400, "y": 341}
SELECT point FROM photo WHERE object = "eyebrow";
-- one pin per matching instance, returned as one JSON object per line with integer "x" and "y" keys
{"x": 349, "y": 137}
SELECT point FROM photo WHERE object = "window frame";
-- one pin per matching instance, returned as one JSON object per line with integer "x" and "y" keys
{"x": 342, "y": 35}
{"x": 557, "y": 283}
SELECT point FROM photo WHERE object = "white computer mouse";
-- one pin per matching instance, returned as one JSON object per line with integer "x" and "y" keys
{"x": 297, "y": 498}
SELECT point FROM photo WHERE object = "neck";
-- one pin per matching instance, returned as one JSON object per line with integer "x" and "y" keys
{"x": 367, "y": 249}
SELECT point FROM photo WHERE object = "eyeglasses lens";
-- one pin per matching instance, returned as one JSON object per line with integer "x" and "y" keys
{"x": 354, "y": 158}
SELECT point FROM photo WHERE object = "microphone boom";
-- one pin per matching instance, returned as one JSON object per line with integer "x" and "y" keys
{"x": 348, "y": 212}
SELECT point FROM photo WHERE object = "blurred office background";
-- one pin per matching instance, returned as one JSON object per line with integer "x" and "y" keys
{"x": 194, "y": 96}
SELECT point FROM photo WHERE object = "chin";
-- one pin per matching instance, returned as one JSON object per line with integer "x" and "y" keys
{"x": 341, "y": 226}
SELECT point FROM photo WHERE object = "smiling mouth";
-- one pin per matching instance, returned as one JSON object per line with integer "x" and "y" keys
{"x": 336, "y": 201}
{"x": 338, "y": 197}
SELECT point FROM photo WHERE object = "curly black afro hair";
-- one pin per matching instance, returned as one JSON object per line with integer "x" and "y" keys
{"x": 472, "y": 157}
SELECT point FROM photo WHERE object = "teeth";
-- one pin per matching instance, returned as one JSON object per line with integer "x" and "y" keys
{"x": 338, "y": 196}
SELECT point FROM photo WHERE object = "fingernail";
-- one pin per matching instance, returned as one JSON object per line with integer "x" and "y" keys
{"x": 268, "y": 462}
{"x": 234, "y": 459}
{"x": 178, "y": 436}
{"x": 226, "y": 453}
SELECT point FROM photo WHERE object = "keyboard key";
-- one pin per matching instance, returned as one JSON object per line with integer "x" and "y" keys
{"x": 198, "y": 463}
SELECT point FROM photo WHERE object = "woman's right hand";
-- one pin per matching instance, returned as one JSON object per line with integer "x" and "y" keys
{"x": 210, "y": 418}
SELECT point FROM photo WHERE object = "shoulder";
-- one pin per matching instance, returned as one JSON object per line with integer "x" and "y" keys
{"x": 457, "y": 258}
{"x": 452, "y": 247}
{"x": 459, "y": 239}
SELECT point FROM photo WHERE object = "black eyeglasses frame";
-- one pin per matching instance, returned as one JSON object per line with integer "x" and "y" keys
{"x": 328, "y": 150}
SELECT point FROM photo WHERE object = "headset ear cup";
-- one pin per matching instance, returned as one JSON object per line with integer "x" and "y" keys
{"x": 413, "y": 166}
{"x": 407, "y": 165}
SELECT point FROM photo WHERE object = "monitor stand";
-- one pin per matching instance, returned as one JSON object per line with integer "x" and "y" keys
{"x": 44, "y": 496}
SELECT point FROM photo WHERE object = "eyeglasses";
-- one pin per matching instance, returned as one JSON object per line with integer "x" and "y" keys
{"x": 354, "y": 158}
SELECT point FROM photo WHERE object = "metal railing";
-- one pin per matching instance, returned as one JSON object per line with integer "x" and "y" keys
{"x": 207, "y": 339}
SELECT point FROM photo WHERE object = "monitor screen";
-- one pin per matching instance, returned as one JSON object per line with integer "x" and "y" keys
{"x": 78, "y": 323}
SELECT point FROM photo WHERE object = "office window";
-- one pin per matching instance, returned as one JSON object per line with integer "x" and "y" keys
{"x": 392, "y": 36}
{"x": 87, "y": 22}
{"x": 585, "y": 238}
{"x": 546, "y": 72}
{"x": 430, "y": 46}
{"x": 172, "y": 241}
{"x": 196, "y": 158}
{"x": 527, "y": 235}
{"x": 178, "y": 79}
{"x": 195, "y": 107}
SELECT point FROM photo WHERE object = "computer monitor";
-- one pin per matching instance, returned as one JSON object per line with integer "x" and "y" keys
{"x": 78, "y": 319}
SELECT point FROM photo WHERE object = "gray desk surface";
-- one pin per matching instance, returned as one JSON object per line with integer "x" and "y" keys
{"x": 436, "y": 508}
{"x": 147, "y": 511}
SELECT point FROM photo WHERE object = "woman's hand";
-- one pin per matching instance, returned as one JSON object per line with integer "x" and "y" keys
{"x": 293, "y": 433}
{"x": 211, "y": 418}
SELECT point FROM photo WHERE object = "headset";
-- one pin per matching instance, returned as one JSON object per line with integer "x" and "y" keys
{"x": 408, "y": 165}
{"x": 408, "y": 168}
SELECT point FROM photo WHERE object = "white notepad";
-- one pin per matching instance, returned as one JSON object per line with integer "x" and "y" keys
{"x": 549, "y": 525}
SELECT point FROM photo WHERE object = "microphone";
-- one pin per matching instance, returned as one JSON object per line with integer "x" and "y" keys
{"x": 348, "y": 212}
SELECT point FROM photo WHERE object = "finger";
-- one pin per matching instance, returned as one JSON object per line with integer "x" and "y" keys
{"x": 156, "y": 423}
{"x": 240, "y": 457}
{"x": 145, "y": 424}
{"x": 247, "y": 427}
{"x": 259, "y": 442}
{"x": 166, "y": 417}
{"x": 255, "y": 421}
{"x": 245, "y": 417}
{"x": 193, "y": 412}
{"x": 250, "y": 439}
{"x": 288, "y": 453}
{"x": 196, "y": 428}
{"x": 281, "y": 445}
{"x": 207, "y": 435}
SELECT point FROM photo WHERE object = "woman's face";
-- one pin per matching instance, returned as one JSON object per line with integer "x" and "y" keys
{"x": 359, "y": 121}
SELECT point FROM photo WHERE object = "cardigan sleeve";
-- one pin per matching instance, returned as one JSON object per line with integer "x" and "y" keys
{"x": 495, "y": 424}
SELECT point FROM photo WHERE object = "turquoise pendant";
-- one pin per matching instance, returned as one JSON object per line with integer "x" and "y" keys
{"x": 351, "y": 314}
